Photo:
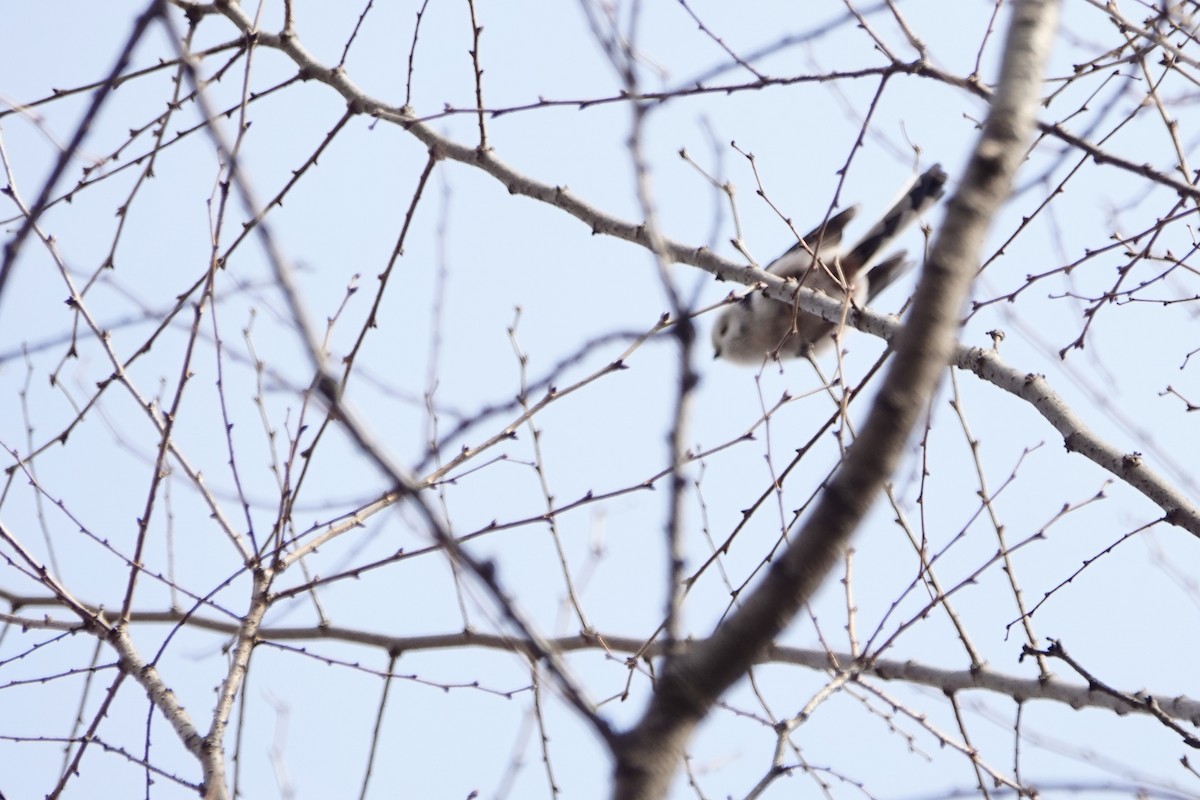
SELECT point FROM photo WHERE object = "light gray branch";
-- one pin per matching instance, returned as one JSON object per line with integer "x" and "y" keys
{"x": 1020, "y": 690}
{"x": 1129, "y": 467}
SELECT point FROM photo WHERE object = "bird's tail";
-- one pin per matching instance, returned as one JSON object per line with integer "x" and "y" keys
{"x": 924, "y": 193}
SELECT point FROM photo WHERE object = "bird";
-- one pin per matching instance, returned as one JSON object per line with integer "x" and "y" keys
{"x": 758, "y": 327}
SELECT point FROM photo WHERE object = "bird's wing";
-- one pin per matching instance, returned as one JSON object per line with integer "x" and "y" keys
{"x": 823, "y": 239}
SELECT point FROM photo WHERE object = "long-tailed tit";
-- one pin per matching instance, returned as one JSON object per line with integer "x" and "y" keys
{"x": 758, "y": 327}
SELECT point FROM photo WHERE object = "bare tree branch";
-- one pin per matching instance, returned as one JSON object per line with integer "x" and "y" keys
{"x": 649, "y": 754}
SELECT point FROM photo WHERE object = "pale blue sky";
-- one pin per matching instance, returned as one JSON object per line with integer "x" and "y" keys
{"x": 1133, "y": 614}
